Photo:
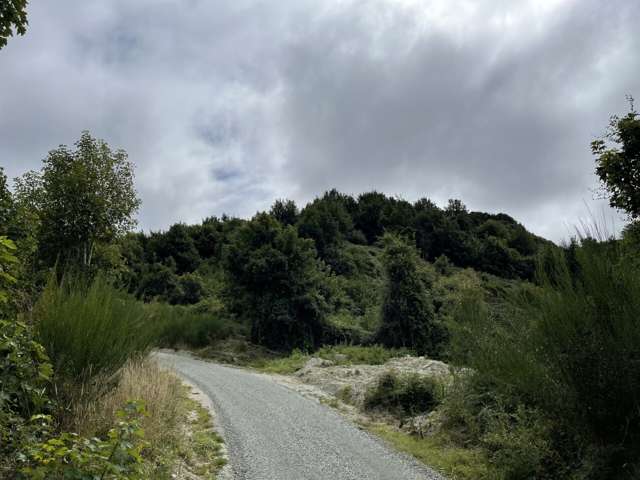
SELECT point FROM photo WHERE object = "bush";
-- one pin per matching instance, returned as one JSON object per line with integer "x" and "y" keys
{"x": 569, "y": 350}
{"x": 189, "y": 326}
{"x": 25, "y": 376}
{"x": 90, "y": 328}
{"x": 71, "y": 456}
{"x": 520, "y": 444}
{"x": 407, "y": 395}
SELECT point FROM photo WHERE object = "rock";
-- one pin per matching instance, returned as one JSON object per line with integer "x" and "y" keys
{"x": 313, "y": 362}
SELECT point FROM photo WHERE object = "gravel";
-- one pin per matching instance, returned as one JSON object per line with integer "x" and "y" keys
{"x": 274, "y": 433}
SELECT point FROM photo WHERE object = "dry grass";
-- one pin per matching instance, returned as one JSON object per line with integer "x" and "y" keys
{"x": 182, "y": 441}
{"x": 139, "y": 379}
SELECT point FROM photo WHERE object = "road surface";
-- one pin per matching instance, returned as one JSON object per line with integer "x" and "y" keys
{"x": 274, "y": 433}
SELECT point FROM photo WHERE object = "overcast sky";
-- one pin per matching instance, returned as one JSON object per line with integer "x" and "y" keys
{"x": 226, "y": 105}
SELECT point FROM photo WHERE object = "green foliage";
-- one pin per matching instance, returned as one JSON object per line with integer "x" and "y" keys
{"x": 283, "y": 365}
{"x": 13, "y": 17}
{"x": 405, "y": 395}
{"x": 80, "y": 197}
{"x": 519, "y": 444}
{"x": 569, "y": 351}
{"x": 274, "y": 282}
{"x": 6, "y": 203}
{"x": 69, "y": 456}
{"x": 618, "y": 166}
{"x": 408, "y": 318}
{"x": 358, "y": 354}
{"x": 25, "y": 376}
{"x": 90, "y": 328}
{"x": 327, "y": 221}
{"x": 177, "y": 246}
{"x": 191, "y": 326}
{"x": 338, "y": 354}
{"x": 454, "y": 461}
{"x": 7, "y": 263}
{"x": 284, "y": 211}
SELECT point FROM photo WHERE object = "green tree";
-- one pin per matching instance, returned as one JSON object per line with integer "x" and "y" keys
{"x": 274, "y": 281}
{"x": 618, "y": 162}
{"x": 178, "y": 244}
{"x": 81, "y": 197}
{"x": 408, "y": 318}
{"x": 369, "y": 214}
{"x": 13, "y": 17}
{"x": 6, "y": 204}
{"x": 327, "y": 221}
{"x": 285, "y": 211}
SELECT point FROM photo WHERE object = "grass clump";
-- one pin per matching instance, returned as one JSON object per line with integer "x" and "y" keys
{"x": 360, "y": 355}
{"x": 338, "y": 354}
{"x": 282, "y": 365}
{"x": 404, "y": 395}
{"x": 90, "y": 328}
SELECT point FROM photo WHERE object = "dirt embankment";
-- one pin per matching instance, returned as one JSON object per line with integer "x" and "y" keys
{"x": 345, "y": 387}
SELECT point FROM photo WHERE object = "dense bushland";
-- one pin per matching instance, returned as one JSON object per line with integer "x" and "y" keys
{"x": 557, "y": 374}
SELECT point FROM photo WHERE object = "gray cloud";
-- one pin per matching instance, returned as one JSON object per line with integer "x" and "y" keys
{"x": 225, "y": 106}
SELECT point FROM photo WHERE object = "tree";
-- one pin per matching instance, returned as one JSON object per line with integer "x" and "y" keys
{"x": 285, "y": 211}
{"x": 618, "y": 166}
{"x": 408, "y": 318}
{"x": 13, "y": 16}
{"x": 81, "y": 197}
{"x": 327, "y": 221}
{"x": 274, "y": 281}
{"x": 6, "y": 204}
{"x": 369, "y": 215}
{"x": 178, "y": 244}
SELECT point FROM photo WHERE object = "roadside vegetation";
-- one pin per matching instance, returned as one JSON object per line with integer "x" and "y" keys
{"x": 542, "y": 340}
{"x": 80, "y": 398}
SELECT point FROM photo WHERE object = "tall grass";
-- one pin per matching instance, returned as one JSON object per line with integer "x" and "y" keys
{"x": 570, "y": 349}
{"x": 90, "y": 328}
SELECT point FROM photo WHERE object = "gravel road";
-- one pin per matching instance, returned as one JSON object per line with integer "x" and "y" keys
{"x": 274, "y": 433}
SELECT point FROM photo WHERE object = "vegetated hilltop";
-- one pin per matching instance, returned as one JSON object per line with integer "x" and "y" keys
{"x": 324, "y": 262}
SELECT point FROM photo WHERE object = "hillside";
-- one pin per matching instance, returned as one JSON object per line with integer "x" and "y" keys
{"x": 458, "y": 249}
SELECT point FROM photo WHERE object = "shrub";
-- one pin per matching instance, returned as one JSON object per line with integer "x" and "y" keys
{"x": 189, "y": 326}
{"x": 25, "y": 376}
{"x": 569, "y": 350}
{"x": 68, "y": 455}
{"x": 90, "y": 328}
{"x": 520, "y": 444}
{"x": 408, "y": 395}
